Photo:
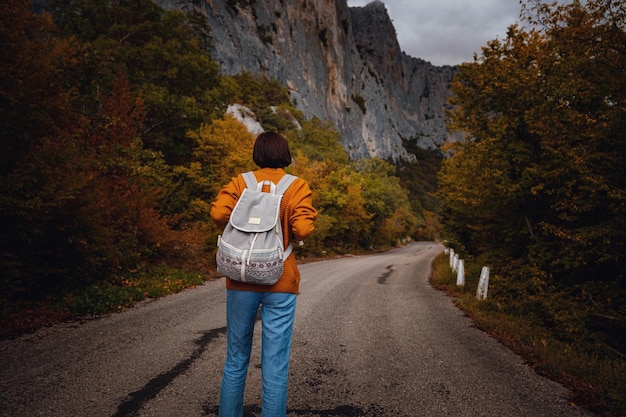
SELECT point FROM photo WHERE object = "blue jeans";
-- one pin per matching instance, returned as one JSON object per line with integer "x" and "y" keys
{"x": 277, "y": 317}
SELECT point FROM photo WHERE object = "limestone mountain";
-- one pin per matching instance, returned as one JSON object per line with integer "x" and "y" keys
{"x": 339, "y": 63}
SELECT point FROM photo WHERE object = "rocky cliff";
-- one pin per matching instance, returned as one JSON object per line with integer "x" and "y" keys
{"x": 339, "y": 63}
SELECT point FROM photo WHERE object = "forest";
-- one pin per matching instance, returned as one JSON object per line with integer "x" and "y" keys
{"x": 538, "y": 193}
{"x": 115, "y": 139}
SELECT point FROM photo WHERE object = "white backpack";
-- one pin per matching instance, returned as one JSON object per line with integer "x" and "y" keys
{"x": 251, "y": 248}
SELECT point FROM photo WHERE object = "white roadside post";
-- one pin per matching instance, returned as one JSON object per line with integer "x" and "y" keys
{"x": 451, "y": 258}
{"x": 460, "y": 276}
{"x": 483, "y": 284}
{"x": 455, "y": 263}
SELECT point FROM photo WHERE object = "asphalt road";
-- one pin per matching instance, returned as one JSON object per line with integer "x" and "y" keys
{"x": 372, "y": 338}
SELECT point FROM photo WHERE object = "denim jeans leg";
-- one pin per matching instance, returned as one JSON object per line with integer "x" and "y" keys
{"x": 277, "y": 315}
{"x": 241, "y": 311}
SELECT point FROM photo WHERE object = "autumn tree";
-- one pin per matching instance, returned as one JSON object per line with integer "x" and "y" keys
{"x": 581, "y": 124}
{"x": 544, "y": 170}
{"x": 79, "y": 192}
{"x": 386, "y": 202}
{"x": 164, "y": 53}
{"x": 540, "y": 182}
{"x": 37, "y": 122}
{"x": 263, "y": 96}
{"x": 345, "y": 222}
{"x": 223, "y": 149}
{"x": 320, "y": 141}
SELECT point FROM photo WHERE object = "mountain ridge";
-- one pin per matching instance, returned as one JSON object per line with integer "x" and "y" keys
{"x": 339, "y": 63}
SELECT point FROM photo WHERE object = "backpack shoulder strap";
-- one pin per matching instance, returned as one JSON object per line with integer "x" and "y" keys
{"x": 281, "y": 187}
{"x": 284, "y": 183}
{"x": 250, "y": 180}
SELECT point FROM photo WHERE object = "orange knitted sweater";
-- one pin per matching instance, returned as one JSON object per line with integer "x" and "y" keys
{"x": 296, "y": 214}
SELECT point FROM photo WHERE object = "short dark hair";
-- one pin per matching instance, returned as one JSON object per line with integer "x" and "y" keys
{"x": 271, "y": 150}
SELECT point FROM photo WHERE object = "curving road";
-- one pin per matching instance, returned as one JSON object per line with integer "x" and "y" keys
{"x": 372, "y": 338}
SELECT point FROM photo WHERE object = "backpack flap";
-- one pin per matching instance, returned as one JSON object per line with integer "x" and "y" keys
{"x": 255, "y": 211}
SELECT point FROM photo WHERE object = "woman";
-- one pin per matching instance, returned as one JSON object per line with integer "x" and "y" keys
{"x": 278, "y": 302}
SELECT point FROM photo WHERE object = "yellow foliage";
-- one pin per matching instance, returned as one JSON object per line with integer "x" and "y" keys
{"x": 224, "y": 149}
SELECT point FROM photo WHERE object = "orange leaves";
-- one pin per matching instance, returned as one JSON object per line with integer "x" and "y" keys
{"x": 123, "y": 113}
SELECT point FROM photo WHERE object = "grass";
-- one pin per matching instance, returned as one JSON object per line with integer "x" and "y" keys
{"x": 17, "y": 318}
{"x": 596, "y": 375}
{"x": 110, "y": 297}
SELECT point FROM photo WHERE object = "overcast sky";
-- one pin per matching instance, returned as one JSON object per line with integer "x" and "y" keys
{"x": 448, "y": 32}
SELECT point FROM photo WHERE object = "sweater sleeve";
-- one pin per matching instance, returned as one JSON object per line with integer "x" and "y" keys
{"x": 225, "y": 202}
{"x": 304, "y": 214}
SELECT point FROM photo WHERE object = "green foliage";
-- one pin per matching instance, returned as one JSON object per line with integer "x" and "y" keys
{"x": 267, "y": 99}
{"x": 387, "y": 202}
{"x": 419, "y": 179}
{"x": 165, "y": 56}
{"x": 319, "y": 141}
{"x": 257, "y": 91}
{"x": 105, "y": 297}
